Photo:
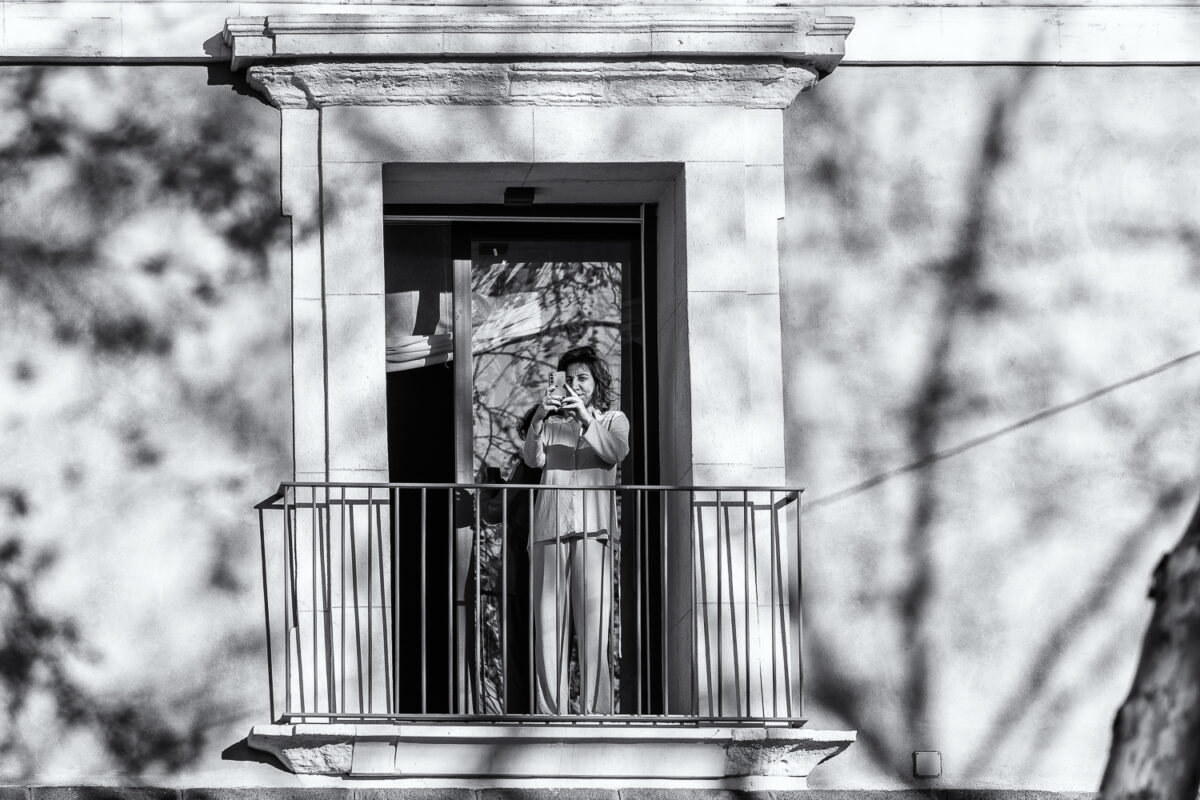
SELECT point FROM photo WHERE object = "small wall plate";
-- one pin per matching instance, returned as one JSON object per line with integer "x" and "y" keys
{"x": 927, "y": 764}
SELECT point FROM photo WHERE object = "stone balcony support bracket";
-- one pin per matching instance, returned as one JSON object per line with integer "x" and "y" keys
{"x": 411, "y": 55}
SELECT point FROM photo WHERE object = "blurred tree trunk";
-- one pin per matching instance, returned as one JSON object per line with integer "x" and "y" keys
{"x": 1156, "y": 735}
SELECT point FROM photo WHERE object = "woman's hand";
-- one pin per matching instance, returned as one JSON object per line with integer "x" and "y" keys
{"x": 574, "y": 407}
{"x": 548, "y": 406}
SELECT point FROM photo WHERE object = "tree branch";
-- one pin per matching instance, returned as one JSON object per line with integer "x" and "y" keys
{"x": 1156, "y": 734}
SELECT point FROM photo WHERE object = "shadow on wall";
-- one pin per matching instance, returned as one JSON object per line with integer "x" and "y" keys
{"x": 961, "y": 293}
{"x": 144, "y": 349}
{"x": 979, "y": 606}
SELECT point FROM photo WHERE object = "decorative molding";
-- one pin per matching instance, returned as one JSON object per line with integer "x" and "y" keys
{"x": 668, "y": 33}
{"x": 907, "y": 32}
{"x": 545, "y": 83}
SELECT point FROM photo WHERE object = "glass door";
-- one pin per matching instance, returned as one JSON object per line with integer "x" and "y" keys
{"x": 526, "y": 291}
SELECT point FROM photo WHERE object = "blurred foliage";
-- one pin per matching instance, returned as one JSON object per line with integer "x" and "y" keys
{"x": 144, "y": 347}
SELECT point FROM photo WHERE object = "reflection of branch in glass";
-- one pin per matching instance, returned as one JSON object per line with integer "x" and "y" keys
{"x": 527, "y": 314}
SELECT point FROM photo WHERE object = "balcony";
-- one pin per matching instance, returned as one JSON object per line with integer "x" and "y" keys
{"x": 408, "y": 636}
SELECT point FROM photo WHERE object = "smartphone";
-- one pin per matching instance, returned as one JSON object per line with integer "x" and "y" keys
{"x": 558, "y": 383}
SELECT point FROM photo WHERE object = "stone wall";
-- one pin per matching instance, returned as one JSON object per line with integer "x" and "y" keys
{"x": 144, "y": 369}
{"x": 965, "y": 249}
{"x": 970, "y": 254}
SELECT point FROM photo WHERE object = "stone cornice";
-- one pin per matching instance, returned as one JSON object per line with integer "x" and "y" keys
{"x": 674, "y": 83}
{"x": 668, "y": 33}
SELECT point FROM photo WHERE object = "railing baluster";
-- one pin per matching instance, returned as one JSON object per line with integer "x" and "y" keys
{"x": 394, "y": 593}
{"x": 295, "y": 568}
{"x": 357, "y": 619}
{"x": 312, "y": 575}
{"x": 560, "y": 656}
{"x": 503, "y": 600}
{"x": 585, "y": 669}
{"x": 703, "y": 606}
{"x": 535, "y": 551}
{"x": 424, "y": 655}
{"x": 262, "y": 542}
{"x": 480, "y": 694}
{"x": 327, "y": 595}
{"x": 609, "y": 660}
{"x": 783, "y": 626}
{"x": 746, "y": 590}
{"x": 638, "y": 538}
{"x": 703, "y": 609}
{"x": 733, "y": 632}
{"x": 720, "y": 616}
{"x": 799, "y": 614}
{"x": 288, "y": 608}
{"x": 754, "y": 559}
{"x": 451, "y": 615}
{"x": 370, "y": 616}
{"x": 342, "y": 595}
{"x": 665, "y": 568}
{"x": 383, "y": 621}
{"x": 775, "y": 603}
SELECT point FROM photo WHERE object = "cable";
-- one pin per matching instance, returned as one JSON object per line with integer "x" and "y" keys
{"x": 970, "y": 444}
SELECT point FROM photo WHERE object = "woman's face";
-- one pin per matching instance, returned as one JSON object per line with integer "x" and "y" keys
{"x": 579, "y": 378}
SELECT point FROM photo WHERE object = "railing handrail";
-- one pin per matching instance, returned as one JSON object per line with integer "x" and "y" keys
{"x": 479, "y": 485}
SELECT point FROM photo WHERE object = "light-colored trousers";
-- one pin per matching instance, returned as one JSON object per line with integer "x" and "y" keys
{"x": 572, "y": 579}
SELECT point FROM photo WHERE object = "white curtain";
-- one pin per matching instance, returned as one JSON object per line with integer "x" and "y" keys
{"x": 496, "y": 320}
{"x": 408, "y": 350}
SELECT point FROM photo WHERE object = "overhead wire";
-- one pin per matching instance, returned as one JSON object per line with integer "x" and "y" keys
{"x": 972, "y": 443}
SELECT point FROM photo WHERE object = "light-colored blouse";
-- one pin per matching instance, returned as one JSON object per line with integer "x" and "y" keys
{"x": 569, "y": 457}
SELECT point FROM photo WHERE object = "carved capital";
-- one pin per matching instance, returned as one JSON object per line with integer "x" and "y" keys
{"x": 547, "y": 83}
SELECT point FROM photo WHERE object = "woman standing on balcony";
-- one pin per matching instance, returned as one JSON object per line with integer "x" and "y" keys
{"x": 578, "y": 440}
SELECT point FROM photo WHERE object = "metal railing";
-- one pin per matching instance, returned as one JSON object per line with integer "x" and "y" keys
{"x": 417, "y": 602}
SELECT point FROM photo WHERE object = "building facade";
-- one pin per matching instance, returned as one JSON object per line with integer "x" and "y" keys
{"x": 934, "y": 265}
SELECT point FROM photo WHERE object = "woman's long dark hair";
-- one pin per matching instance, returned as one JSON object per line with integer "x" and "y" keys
{"x": 526, "y": 421}
{"x": 602, "y": 397}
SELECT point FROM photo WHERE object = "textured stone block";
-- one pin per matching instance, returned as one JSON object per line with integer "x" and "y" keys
{"x": 763, "y": 144}
{"x": 409, "y": 793}
{"x": 357, "y": 382}
{"x": 269, "y": 793}
{"x": 352, "y": 212}
{"x": 308, "y": 387}
{"x": 764, "y": 354}
{"x": 680, "y": 794}
{"x": 430, "y": 133}
{"x": 373, "y": 758}
{"x": 102, "y": 793}
{"x": 717, "y": 260}
{"x": 638, "y": 134}
{"x": 764, "y": 208}
{"x": 722, "y": 426}
{"x": 61, "y": 29}
{"x": 547, "y": 794}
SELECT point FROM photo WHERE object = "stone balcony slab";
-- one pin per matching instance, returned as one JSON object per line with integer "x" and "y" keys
{"x": 589, "y": 755}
